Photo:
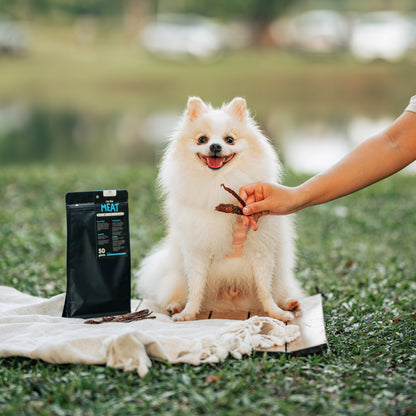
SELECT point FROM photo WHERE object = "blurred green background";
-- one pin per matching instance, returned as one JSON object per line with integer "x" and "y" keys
{"x": 101, "y": 81}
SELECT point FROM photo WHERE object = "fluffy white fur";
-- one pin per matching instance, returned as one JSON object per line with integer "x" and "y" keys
{"x": 191, "y": 269}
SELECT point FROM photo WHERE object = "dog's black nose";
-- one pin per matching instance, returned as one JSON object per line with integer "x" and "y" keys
{"x": 215, "y": 148}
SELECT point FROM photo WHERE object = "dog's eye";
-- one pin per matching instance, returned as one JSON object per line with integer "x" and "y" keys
{"x": 202, "y": 139}
{"x": 229, "y": 140}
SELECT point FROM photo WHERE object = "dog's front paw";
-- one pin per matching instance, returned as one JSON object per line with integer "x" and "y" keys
{"x": 183, "y": 316}
{"x": 174, "y": 308}
{"x": 280, "y": 315}
{"x": 292, "y": 305}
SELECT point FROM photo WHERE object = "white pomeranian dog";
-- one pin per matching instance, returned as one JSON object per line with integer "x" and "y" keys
{"x": 196, "y": 268}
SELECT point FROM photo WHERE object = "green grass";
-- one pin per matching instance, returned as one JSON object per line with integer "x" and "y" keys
{"x": 358, "y": 251}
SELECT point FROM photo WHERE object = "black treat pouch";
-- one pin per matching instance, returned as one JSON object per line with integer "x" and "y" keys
{"x": 98, "y": 254}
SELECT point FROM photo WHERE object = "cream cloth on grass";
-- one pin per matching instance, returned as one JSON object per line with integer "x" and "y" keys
{"x": 33, "y": 327}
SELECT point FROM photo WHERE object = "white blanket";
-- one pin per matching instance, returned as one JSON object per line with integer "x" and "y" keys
{"x": 33, "y": 327}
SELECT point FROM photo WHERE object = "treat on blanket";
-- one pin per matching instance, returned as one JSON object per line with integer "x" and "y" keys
{"x": 231, "y": 208}
{"x": 128, "y": 317}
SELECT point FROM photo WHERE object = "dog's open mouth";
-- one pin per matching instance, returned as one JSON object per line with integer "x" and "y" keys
{"x": 215, "y": 162}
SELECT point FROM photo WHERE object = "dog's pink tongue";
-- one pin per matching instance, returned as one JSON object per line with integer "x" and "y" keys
{"x": 215, "y": 162}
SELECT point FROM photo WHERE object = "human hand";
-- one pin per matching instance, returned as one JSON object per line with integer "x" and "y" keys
{"x": 266, "y": 199}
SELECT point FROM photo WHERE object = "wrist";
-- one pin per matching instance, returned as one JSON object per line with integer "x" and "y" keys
{"x": 302, "y": 196}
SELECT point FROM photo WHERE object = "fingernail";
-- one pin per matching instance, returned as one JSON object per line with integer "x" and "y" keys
{"x": 246, "y": 211}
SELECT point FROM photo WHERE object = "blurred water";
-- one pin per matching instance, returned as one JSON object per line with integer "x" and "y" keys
{"x": 33, "y": 135}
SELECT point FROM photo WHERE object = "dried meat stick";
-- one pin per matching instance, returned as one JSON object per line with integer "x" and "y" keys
{"x": 234, "y": 194}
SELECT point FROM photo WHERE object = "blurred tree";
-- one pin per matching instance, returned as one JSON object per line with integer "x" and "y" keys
{"x": 26, "y": 8}
{"x": 262, "y": 11}
{"x": 253, "y": 10}
{"x": 94, "y": 7}
{"x": 259, "y": 13}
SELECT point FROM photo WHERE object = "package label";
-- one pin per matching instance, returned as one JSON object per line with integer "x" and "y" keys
{"x": 112, "y": 227}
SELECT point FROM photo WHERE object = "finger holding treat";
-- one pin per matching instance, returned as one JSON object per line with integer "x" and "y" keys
{"x": 234, "y": 209}
{"x": 265, "y": 198}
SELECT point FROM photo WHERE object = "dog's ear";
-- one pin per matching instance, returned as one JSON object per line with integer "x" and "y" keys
{"x": 238, "y": 108}
{"x": 195, "y": 108}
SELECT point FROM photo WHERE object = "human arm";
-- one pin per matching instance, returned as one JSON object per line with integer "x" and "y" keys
{"x": 374, "y": 159}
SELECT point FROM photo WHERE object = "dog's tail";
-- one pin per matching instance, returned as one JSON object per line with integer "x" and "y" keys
{"x": 161, "y": 277}
{"x": 151, "y": 270}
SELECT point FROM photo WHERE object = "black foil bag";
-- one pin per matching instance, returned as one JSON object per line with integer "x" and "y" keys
{"x": 98, "y": 254}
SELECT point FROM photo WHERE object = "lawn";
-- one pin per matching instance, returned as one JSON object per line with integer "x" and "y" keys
{"x": 357, "y": 251}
